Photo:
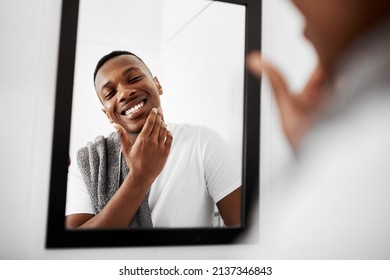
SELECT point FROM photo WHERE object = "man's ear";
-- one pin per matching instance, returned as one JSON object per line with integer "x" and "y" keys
{"x": 107, "y": 115}
{"x": 158, "y": 85}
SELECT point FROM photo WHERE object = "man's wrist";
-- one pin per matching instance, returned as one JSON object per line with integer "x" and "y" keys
{"x": 138, "y": 182}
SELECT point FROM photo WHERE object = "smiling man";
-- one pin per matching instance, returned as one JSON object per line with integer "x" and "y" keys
{"x": 149, "y": 173}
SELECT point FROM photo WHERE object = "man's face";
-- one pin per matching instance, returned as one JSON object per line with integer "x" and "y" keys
{"x": 324, "y": 21}
{"x": 330, "y": 25}
{"x": 127, "y": 91}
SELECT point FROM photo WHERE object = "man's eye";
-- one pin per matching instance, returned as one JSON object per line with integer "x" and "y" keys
{"x": 134, "y": 79}
{"x": 110, "y": 94}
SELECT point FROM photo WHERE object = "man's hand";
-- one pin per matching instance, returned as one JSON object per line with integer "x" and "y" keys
{"x": 297, "y": 111}
{"x": 147, "y": 156}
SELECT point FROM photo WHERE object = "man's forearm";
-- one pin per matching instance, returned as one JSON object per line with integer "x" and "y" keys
{"x": 122, "y": 207}
{"x": 230, "y": 208}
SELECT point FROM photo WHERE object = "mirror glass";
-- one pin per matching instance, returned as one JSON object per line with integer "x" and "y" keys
{"x": 196, "y": 49}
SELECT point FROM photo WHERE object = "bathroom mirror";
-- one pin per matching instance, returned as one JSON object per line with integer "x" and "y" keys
{"x": 197, "y": 50}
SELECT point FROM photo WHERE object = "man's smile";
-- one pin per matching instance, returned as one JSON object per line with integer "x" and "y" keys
{"x": 134, "y": 108}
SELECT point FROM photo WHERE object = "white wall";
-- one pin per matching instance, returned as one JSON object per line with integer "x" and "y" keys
{"x": 202, "y": 72}
{"x": 30, "y": 31}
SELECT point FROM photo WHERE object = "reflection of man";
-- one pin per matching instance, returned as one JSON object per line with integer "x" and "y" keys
{"x": 140, "y": 176}
{"x": 335, "y": 201}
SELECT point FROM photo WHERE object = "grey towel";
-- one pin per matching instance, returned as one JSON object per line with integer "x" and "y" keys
{"x": 103, "y": 169}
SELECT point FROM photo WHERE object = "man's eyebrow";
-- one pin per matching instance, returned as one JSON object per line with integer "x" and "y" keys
{"x": 106, "y": 85}
{"x": 128, "y": 70}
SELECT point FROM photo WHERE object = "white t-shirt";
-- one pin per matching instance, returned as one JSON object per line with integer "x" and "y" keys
{"x": 199, "y": 172}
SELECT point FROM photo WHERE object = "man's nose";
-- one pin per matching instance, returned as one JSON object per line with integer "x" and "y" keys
{"x": 125, "y": 93}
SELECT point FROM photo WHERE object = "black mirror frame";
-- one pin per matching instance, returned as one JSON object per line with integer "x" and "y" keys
{"x": 59, "y": 237}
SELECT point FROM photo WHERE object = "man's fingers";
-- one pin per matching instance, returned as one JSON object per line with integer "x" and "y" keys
{"x": 254, "y": 63}
{"x": 258, "y": 67}
{"x": 168, "y": 140}
{"x": 163, "y": 132}
{"x": 317, "y": 80}
{"x": 278, "y": 83}
{"x": 125, "y": 142}
{"x": 157, "y": 125}
{"x": 149, "y": 123}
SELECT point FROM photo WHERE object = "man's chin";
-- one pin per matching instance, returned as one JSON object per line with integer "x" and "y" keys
{"x": 135, "y": 129}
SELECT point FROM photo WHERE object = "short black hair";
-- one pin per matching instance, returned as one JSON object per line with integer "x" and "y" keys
{"x": 110, "y": 55}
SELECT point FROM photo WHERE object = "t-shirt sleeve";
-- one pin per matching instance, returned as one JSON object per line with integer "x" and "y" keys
{"x": 77, "y": 196}
{"x": 221, "y": 168}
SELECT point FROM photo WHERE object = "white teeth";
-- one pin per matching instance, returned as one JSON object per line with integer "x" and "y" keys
{"x": 134, "y": 108}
